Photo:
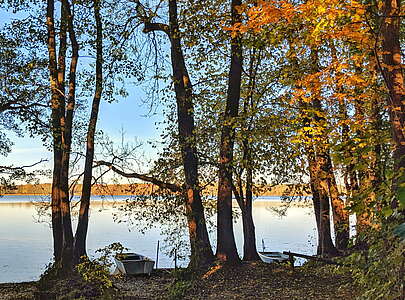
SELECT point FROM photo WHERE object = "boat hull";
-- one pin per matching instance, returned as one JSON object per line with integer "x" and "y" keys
{"x": 142, "y": 265}
{"x": 272, "y": 257}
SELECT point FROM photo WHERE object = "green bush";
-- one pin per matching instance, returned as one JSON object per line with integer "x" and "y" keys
{"x": 380, "y": 270}
{"x": 97, "y": 271}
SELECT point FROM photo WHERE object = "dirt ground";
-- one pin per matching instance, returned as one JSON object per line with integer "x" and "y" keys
{"x": 246, "y": 281}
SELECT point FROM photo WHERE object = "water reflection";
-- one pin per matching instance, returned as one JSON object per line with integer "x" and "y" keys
{"x": 26, "y": 243}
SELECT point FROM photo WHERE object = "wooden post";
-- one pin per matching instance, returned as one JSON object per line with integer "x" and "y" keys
{"x": 291, "y": 259}
{"x": 157, "y": 255}
{"x": 175, "y": 258}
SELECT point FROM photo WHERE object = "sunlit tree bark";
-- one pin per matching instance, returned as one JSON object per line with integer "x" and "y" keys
{"x": 394, "y": 79}
{"x": 226, "y": 247}
{"x": 201, "y": 252}
{"x": 82, "y": 226}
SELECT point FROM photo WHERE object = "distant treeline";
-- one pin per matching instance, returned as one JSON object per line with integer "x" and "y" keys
{"x": 147, "y": 189}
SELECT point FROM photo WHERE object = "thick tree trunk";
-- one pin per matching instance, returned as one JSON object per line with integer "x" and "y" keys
{"x": 226, "y": 247}
{"x": 57, "y": 231}
{"x": 82, "y": 226}
{"x": 245, "y": 203}
{"x": 201, "y": 252}
{"x": 67, "y": 125}
{"x": 56, "y": 132}
{"x": 394, "y": 79}
{"x": 321, "y": 206}
{"x": 326, "y": 177}
{"x": 249, "y": 234}
{"x": 61, "y": 129}
{"x": 329, "y": 186}
{"x": 340, "y": 214}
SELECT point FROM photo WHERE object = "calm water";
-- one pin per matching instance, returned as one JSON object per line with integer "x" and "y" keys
{"x": 26, "y": 241}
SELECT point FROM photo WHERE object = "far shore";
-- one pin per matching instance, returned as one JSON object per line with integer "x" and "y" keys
{"x": 44, "y": 189}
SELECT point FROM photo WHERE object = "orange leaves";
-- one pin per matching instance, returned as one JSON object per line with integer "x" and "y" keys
{"x": 262, "y": 14}
{"x": 331, "y": 19}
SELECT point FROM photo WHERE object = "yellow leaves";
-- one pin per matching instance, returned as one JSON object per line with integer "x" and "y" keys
{"x": 262, "y": 14}
{"x": 320, "y": 17}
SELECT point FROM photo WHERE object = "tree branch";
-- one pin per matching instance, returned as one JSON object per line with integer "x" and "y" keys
{"x": 156, "y": 27}
{"x": 10, "y": 168}
{"x": 170, "y": 186}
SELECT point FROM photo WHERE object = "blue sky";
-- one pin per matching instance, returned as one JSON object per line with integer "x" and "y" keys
{"x": 131, "y": 115}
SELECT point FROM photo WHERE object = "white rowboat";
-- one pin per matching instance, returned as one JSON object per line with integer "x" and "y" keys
{"x": 133, "y": 263}
{"x": 271, "y": 257}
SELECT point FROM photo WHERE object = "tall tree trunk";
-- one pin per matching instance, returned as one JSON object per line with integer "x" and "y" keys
{"x": 200, "y": 245}
{"x": 67, "y": 126}
{"x": 201, "y": 252}
{"x": 350, "y": 177}
{"x": 249, "y": 234}
{"x": 394, "y": 79}
{"x": 82, "y": 226}
{"x": 329, "y": 186}
{"x": 318, "y": 174}
{"x": 226, "y": 247}
{"x": 321, "y": 205}
{"x": 61, "y": 122}
{"x": 246, "y": 202}
{"x": 56, "y": 132}
{"x": 325, "y": 174}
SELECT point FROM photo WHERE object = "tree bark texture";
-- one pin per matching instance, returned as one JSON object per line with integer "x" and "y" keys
{"x": 226, "y": 247}
{"x": 82, "y": 226}
{"x": 245, "y": 199}
{"x": 321, "y": 207}
{"x": 201, "y": 252}
{"x": 61, "y": 124}
{"x": 56, "y": 133}
{"x": 394, "y": 79}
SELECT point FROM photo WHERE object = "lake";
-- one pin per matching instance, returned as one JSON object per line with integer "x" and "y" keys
{"x": 26, "y": 237}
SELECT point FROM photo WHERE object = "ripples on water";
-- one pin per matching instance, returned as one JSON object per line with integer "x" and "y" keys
{"x": 26, "y": 237}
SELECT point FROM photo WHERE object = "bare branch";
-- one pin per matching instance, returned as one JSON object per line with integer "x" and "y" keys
{"x": 10, "y": 168}
{"x": 170, "y": 186}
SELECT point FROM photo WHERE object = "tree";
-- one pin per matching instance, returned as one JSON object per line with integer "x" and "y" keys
{"x": 81, "y": 231}
{"x": 22, "y": 104}
{"x": 62, "y": 119}
{"x": 201, "y": 253}
{"x": 391, "y": 70}
{"x": 226, "y": 247}
{"x": 68, "y": 248}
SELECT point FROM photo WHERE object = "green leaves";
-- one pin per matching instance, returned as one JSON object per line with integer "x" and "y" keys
{"x": 401, "y": 196}
{"x": 387, "y": 211}
{"x": 400, "y": 231}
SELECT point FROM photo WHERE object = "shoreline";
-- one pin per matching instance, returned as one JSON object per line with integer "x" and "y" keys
{"x": 249, "y": 280}
{"x": 44, "y": 189}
